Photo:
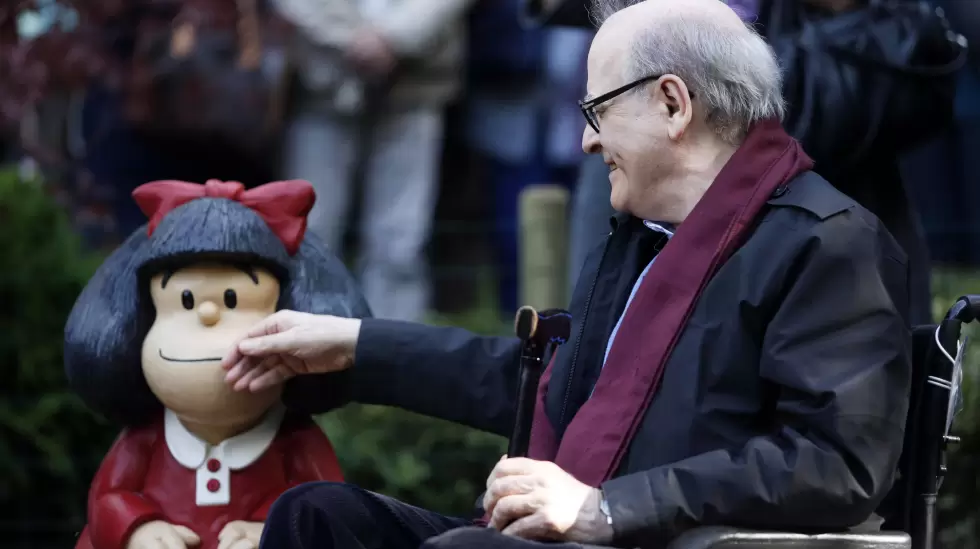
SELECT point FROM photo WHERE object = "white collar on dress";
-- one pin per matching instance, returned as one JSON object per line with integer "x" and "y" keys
{"x": 239, "y": 451}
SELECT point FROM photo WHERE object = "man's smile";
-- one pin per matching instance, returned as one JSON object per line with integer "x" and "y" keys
{"x": 168, "y": 359}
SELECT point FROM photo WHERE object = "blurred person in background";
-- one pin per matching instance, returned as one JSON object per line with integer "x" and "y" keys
{"x": 521, "y": 120}
{"x": 944, "y": 175}
{"x": 144, "y": 90}
{"x": 375, "y": 77}
{"x": 853, "y": 118}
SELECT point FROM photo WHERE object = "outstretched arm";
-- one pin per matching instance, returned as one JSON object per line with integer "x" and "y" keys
{"x": 448, "y": 373}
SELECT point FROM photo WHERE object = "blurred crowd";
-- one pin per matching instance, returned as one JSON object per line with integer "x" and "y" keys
{"x": 419, "y": 122}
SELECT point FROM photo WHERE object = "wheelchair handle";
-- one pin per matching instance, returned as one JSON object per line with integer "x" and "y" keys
{"x": 966, "y": 309}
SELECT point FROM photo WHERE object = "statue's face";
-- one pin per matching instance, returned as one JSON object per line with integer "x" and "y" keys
{"x": 201, "y": 311}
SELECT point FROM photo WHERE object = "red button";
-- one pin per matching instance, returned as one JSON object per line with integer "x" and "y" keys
{"x": 213, "y": 485}
{"x": 214, "y": 465}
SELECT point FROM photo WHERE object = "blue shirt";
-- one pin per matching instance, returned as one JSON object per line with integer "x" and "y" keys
{"x": 655, "y": 227}
{"x": 636, "y": 286}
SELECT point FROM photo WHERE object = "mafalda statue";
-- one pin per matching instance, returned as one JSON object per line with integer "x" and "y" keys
{"x": 199, "y": 464}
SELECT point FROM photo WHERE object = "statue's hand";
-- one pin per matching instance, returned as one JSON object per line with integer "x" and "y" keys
{"x": 157, "y": 533}
{"x": 239, "y": 534}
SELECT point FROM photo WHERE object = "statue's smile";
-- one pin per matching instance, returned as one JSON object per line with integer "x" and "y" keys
{"x": 168, "y": 359}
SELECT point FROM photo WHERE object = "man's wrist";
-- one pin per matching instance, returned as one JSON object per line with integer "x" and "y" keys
{"x": 604, "y": 524}
{"x": 355, "y": 334}
{"x": 604, "y": 508}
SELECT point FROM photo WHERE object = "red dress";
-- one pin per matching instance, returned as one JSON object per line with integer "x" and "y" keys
{"x": 162, "y": 472}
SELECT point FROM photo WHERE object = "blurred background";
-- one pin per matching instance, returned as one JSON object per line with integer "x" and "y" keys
{"x": 444, "y": 143}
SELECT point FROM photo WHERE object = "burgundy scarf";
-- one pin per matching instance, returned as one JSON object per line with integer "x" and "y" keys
{"x": 599, "y": 434}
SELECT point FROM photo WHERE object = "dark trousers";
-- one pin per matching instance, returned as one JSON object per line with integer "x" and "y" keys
{"x": 330, "y": 515}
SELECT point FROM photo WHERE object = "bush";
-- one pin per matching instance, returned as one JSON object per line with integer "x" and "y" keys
{"x": 426, "y": 462}
{"x": 50, "y": 444}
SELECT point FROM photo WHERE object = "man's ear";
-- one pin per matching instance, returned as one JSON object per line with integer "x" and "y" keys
{"x": 674, "y": 94}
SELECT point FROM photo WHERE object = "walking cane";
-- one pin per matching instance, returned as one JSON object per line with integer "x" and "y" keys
{"x": 538, "y": 332}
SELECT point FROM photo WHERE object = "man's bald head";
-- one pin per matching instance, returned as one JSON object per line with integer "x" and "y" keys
{"x": 641, "y": 12}
{"x": 725, "y": 63}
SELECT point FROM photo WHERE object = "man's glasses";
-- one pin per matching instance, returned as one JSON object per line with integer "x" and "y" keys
{"x": 588, "y": 106}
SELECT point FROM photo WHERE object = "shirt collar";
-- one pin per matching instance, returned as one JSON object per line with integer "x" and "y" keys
{"x": 665, "y": 228}
{"x": 239, "y": 451}
{"x": 621, "y": 218}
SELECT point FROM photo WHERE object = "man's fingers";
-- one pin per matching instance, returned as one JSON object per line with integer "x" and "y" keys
{"x": 257, "y": 371}
{"x": 267, "y": 344}
{"x": 511, "y": 508}
{"x": 236, "y": 372}
{"x": 294, "y": 364}
{"x": 506, "y": 486}
{"x": 532, "y": 527}
{"x": 513, "y": 466}
{"x": 272, "y": 324}
{"x": 270, "y": 378}
{"x": 187, "y": 535}
{"x": 232, "y": 358}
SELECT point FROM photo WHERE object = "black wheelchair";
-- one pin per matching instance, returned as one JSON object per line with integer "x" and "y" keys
{"x": 910, "y": 517}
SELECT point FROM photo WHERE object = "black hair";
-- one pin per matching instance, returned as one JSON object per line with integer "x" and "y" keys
{"x": 106, "y": 328}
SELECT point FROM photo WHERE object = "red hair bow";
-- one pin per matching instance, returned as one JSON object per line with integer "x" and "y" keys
{"x": 283, "y": 205}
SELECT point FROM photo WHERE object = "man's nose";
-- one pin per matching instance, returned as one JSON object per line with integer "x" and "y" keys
{"x": 208, "y": 313}
{"x": 590, "y": 141}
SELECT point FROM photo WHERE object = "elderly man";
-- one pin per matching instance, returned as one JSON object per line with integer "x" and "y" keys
{"x": 744, "y": 360}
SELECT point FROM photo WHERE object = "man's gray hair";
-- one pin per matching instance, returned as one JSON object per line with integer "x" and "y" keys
{"x": 733, "y": 73}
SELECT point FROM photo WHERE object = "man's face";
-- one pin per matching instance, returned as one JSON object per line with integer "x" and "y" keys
{"x": 631, "y": 138}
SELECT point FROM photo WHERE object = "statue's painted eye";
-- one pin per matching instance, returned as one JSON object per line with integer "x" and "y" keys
{"x": 231, "y": 299}
{"x": 187, "y": 299}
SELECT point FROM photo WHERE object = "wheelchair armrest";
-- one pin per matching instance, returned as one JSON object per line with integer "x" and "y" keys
{"x": 712, "y": 537}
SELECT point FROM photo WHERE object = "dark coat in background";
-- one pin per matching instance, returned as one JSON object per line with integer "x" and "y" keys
{"x": 830, "y": 101}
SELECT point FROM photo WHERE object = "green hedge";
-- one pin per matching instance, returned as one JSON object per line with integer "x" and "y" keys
{"x": 50, "y": 444}
{"x": 49, "y": 441}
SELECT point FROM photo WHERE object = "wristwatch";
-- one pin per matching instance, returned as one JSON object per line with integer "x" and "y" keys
{"x": 604, "y": 508}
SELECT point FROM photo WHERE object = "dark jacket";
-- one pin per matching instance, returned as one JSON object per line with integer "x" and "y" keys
{"x": 782, "y": 406}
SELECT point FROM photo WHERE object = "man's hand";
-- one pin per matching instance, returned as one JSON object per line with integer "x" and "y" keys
{"x": 538, "y": 500}
{"x": 370, "y": 52}
{"x": 239, "y": 534}
{"x": 288, "y": 344}
{"x": 157, "y": 533}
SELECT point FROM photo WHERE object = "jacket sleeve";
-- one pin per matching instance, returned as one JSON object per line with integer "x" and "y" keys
{"x": 447, "y": 373}
{"x": 837, "y": 356}
{"x": 115, "y": 505}
{"x": 411, "y": 27}
{"x": 309, "y": 458}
